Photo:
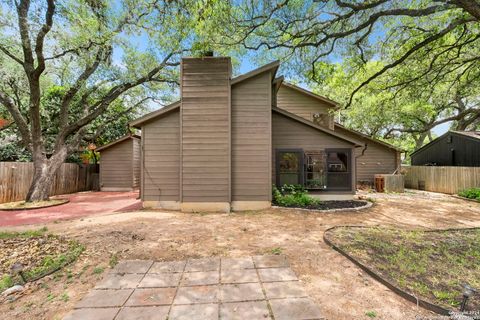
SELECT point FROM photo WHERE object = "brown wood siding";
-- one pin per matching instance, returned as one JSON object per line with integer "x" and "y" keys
{"x": 290, "y": 134}
{"x": 251, "y": 139}
{"x": 136, "y": 162}
{"x": 205, "y": 136}
{"x": 161, "y": 158}
{"x": 301, "y": 104}
{"x": 116, "y": 166}
{"x": 377, "y": 158}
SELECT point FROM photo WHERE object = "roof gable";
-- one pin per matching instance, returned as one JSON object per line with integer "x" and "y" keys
{"x": 122, "y": 139}
{"x": 268, "y": 67}
{"x": 311, "y": 94}
{"x": 137, "y": 123}
{"x": 317, "y": 127}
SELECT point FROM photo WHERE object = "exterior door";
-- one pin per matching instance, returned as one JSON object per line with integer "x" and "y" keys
{"x": 289, "y": 167}
{"x": 339, "y": 169}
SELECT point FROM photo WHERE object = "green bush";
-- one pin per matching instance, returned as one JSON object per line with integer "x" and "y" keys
{"x": 292, "y": 196}
{"x": 472, "y": 193}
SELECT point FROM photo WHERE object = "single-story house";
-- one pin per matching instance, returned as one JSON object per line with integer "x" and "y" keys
{"x": 120, "y": 164}
{"x": 223, "y": 145}
{"x": 454, "y": 148}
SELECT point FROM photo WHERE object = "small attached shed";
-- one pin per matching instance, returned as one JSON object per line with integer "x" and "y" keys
{"x": 120, "y": 164}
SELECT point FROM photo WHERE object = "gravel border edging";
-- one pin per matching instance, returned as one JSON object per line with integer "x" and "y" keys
{"x": 26, "y": 209}
{"x": 419, "y": 302}
{"x": 366, "y": 206}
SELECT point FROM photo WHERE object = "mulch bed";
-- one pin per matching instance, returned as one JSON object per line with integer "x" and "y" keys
{"x": 22, "y": 205}
{"x": 333, "y": 204}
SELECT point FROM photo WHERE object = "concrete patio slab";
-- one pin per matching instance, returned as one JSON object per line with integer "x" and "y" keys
{"x": 194, "y": 312}
{"x": 105, "y": 298}
{"x": 198, "y": 294}
{"x": 151, "y": 297}
{"x": 169, "y": 266}
{"x": 120, "y": 281}
{"x": 160, "y": 280}
{"x": 204, "y": 264}
{"x": 252, "y": 310}
{"x": 258, "y": 288}
{"x": 200, "y": 278}
{"x": 144, "y": 313}
{"x": 241, "y": 292}
{"x": 239, "y": 276}
{"x": 93, "y": 314}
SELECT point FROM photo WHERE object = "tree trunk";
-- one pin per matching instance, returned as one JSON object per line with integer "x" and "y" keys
{"x": 44, "y": 173}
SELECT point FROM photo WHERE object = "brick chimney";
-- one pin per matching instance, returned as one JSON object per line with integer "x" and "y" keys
{"x": 205, "y": 134}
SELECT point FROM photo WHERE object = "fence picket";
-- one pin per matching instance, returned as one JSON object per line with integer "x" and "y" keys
{"x": 16, "y": 177}
{"x": 442, "y": 179}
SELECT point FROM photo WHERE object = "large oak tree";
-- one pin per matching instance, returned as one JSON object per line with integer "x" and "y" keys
{"x": 95, "y": 52}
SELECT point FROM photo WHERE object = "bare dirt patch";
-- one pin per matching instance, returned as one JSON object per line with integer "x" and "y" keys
{"x": 341, "y": 289}
{"x": 431, "y": 265}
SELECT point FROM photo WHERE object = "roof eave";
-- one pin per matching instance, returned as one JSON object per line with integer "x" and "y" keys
{"x": 137, "y": 123}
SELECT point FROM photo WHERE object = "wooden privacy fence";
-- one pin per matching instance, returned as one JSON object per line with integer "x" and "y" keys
{"x": 16, "y": 177}
{"x": 449, "y": 180}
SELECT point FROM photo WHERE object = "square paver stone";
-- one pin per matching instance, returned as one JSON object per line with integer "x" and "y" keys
{"x": 276, "y": 274}
{"x": 270, "y": 261}
{"x": 151, "y": 297}
{"x": 239, "y": 276}
{"x": 132, "y": 266}
{"x": 168, "y": 266}
{"x": 203, "y": 264}
{"x": 251, "y": 310}
{"x": 197, "y": 294}
{"x": 237, "y": 263}
{"x": 194, "y": 312}
{"x": 144, "y": 313}
{"x": 200, "y": 278}
{"x": 284, "y": 289}
{"x": 295, "y": 309}
{"x": 105, "y": 298}
{"x": 160, "y": 280}
{"x": 120, "y": 281}
{"x": 92, "y": 314}
{"x": 241, "y": 292}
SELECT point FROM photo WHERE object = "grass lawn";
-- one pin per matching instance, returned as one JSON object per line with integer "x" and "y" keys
{"x": 39, "y": 254}
{"x": 431, "y": 265}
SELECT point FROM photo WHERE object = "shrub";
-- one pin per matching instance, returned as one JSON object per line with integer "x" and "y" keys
{"x": 472, "y": 193}
{"x": 292, "y": 196}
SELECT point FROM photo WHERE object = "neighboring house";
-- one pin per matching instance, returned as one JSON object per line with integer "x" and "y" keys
{"x": 454, "y": 148}
{"x": 120, "y": 164}
{"x": 223, "y": 145}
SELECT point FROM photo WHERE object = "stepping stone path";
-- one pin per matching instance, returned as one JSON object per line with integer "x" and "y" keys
{"x": 260, "y": 287}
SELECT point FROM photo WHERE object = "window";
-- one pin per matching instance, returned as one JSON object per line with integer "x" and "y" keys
{"x": 322, "y": 119}
{"x": 289, "y": 167}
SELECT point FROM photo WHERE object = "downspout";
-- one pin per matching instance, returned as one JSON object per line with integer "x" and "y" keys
{"x": 365, "y": 147}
